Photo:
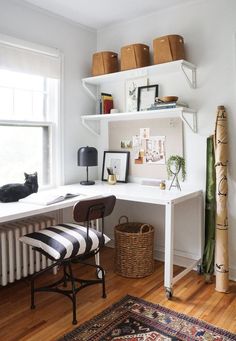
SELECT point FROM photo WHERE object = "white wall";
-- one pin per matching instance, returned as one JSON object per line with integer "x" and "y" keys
{"x": 77, "y": 45}
{"x": 209, "y": 29}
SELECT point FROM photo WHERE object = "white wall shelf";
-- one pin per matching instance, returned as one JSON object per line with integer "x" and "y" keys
{"x": 188, "y": 69}
{"x": 188, "y": 116}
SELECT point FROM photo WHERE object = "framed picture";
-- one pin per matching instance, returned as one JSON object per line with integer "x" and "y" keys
{"x": 146, "y": 96}
{"x": 118, "y": 164}
{"x": 131, "y": 92}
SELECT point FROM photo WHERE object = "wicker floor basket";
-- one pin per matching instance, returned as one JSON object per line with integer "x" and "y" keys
{"x": 134, "y": 249}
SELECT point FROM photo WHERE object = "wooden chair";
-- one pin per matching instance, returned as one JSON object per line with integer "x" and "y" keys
{"x": 72, "y": 243}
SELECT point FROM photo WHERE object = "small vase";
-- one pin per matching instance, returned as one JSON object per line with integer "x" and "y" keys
{"x": 112, "y": 179}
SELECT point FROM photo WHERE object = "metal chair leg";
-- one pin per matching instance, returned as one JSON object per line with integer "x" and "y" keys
{"x": 32, "y": 294}
{"x": 74, "y": 321}
{"x": 65, "y": 276}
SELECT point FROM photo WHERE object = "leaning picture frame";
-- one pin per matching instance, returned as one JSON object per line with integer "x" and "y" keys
{"x": 118, "y": 163}
{"x": 146, "y": 97}
{"x": 131, "y": 92}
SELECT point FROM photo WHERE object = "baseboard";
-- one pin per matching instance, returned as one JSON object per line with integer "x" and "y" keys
{"x": 180, "y": 258}
{"x": 183, "y": 259}
{"x": 232, "y": 273}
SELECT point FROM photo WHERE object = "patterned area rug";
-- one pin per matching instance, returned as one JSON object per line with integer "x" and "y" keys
{"x": 133, "y": 319}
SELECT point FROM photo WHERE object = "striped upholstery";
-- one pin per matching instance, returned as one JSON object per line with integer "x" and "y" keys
{"x": 65, "y": 240}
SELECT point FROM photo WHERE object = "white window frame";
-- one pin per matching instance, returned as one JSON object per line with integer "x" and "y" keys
{"x": 55, "y": 128}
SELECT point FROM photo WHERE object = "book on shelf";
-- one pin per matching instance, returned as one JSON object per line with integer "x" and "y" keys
{"x": 106, "y": 103}
{"x": 45, "y": 198}
{"x": 168, "y": 105}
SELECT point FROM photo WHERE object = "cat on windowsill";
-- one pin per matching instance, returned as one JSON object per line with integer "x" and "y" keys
{"x": 15, "y": 192}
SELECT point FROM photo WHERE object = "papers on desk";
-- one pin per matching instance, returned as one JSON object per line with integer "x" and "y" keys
{"x": 47, "y": 197}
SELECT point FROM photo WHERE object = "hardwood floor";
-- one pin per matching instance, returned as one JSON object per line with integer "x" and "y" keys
{"x": 52, "y": 316}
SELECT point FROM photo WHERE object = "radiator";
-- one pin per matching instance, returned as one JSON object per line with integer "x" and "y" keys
{"x": 18, "y": 260}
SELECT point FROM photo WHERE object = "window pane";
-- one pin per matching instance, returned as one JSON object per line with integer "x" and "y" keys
{"x": 24, "y": 149}
{"x": 23, "y": 97}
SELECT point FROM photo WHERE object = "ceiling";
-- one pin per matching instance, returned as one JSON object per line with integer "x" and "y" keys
{"x": 97, "y": 14}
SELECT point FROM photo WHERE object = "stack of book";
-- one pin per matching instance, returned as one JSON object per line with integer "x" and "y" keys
{"x": 106, "y": 103}
{"x": 168, "y": 105}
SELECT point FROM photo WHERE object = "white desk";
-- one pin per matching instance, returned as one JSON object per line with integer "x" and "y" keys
{"x": 128, "y": 192}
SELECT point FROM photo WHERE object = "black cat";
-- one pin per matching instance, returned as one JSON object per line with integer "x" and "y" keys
{"x": 14, "y": 192}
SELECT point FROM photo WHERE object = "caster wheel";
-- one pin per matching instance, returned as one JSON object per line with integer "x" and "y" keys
{"x": 169, "y": 293}
{"x": 199, "y": 269}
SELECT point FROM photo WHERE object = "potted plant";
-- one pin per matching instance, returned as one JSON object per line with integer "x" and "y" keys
{"x": 175, "y": 165}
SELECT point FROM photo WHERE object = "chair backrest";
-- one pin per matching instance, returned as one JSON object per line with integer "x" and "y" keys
{"x": 91, "y": 209}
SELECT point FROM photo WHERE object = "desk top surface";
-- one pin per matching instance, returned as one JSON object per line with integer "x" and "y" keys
{"x": 122, "y": 191}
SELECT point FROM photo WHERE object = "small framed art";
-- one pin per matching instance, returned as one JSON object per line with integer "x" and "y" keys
{"x": 116, "y": 162}
{"x": 146, "y": 96}
{"x": 131, "y": 92}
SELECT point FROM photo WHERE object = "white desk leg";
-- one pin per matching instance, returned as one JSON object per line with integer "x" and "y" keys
{"x": 169, "y": 243}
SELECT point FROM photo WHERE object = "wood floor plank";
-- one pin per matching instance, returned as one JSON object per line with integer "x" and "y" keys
{"x": 53, "y": 314}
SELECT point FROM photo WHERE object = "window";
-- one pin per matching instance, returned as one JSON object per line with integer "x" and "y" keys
{"x": 29, "y": 113}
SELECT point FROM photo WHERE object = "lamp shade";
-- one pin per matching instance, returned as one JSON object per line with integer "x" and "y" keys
{"x": 87, "y": 156}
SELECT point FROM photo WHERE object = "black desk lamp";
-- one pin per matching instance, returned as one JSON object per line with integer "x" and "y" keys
{"x": 87, "y": 156}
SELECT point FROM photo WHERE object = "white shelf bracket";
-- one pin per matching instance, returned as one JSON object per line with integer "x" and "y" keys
{"x": 91, "y": 89}
{"x": 90, "y": 128}
{"x": 190, "y": 75}
{"x": 192, "y": 125}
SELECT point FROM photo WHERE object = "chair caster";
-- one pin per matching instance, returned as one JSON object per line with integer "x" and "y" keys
{"x": 169, "y": 293}
{"x": 200, "y": 269}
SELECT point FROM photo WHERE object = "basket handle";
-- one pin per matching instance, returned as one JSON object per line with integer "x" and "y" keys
{"x": 126, "y": 218}
{"x": 143, "y": 226}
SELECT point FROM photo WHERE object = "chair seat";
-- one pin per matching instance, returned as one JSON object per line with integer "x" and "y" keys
{"x": 66, "y": 240}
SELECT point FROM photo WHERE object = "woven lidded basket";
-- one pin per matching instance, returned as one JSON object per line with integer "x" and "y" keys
{"x": 134, "y": 249}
